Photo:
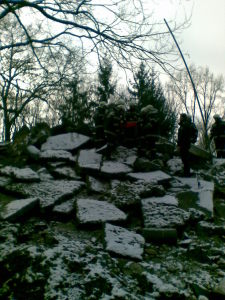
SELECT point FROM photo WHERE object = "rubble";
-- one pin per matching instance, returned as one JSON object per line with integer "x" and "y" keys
{"x": 124, "y": 227}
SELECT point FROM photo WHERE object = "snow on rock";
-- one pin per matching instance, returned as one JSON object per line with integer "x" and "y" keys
{"x": 205, "y": 190}
{"x": 4, "y": 181}
{"x": 7, "y": 171}
{"x": 151, "y": 177}
{"x": 175, "y": 165}
{"x": 49, "y": 192}
{"x": 25, "y": 174}
{"x": 91, "y": 211}
{"x": 167, "y": 200}
{"x": 96, "y": 185}
{"x": 67, "y": 141}
{"x": 17, "y": 208}
{"x": 33, "y": 151}
{"x": 44, "y": 174}
{"x": 124, "y": 242}
{"x": 65, "y": 208}
{"x": 114, "y": 169}
{"x": 57, "y": 155}
{"x": 125, "y": 155}
{"x": 66, "y": 172}
{"x": 219, "y": 290}
{"x": 89, "y": 160}
{"x": 163, "y": 215}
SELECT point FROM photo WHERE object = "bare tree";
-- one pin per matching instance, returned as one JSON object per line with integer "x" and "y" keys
{"x": 120, "y": 27}
{"x": 22, "y": 82}
{"x": 210, "y": 89}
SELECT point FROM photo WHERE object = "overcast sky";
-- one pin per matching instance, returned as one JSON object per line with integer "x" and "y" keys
{"x": 204, "y": 40}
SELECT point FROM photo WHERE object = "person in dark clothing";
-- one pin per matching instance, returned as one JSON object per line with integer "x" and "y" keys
{"x": 187, "y": 134}
{"x": 217, "y": 133}
{"x": 99, "y": 120}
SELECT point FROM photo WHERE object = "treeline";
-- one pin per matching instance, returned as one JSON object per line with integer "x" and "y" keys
{"x": 72, "y": 102}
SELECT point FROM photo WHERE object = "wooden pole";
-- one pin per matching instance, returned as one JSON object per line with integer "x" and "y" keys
{"x": 186, "y": 66}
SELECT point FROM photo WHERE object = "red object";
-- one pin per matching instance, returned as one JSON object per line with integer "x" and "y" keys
{"x": 130, "y": 124}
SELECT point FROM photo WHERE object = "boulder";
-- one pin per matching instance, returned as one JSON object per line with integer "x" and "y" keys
{"x": 123, "y": 242}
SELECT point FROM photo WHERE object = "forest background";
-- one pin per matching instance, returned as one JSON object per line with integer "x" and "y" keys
{"x": 61, "y": 59}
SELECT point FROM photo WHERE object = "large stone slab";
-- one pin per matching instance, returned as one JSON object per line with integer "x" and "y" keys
{"x": 67, "y": 141}
{"x": 155, "y": 177}
{"x": 50, "y": 193}
{"x": 204, "y": 190}
{"x": 124, "y": 242}
{"x": 24, "y": 174}
{"x": 91, "y": 211}
{"x": 125, "y": 155}
{"x": 18, "y": 208}
{"x": 167, "y": 200}
{"x": 65, "y": 172}
{"x": 162, "y": 215}
{"x": 56, "y": 155}
{"x": 65, "y": 209}
{"x": 89, "y": 160}
{"x": 114, "y": 169}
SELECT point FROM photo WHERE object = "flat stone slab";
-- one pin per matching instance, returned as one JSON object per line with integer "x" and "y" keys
{"x": 49, "y": 192}
{"x": 67, "y": 141}
{"x": 155, "y": 177}
{"x": 96, "y": 185}
{"x": 66, "y": 208}
{"x": 124, "y": 242}
{"x": 90, "y": 211}
{"x": 204, "y": 189}
{"x": 125, "y": 155}
{"x": 161, "y": 215}
{"x": 114, "y": 169}
{"x": 89, "y": 160}
{"x": 4, "y": 181}
{"x": 66, "y": 172}
{"x": 52, "y": 155}
{"x": 167, "y": 200}
{"x": 24, "y": 174}
{"x": 18, "y": 208}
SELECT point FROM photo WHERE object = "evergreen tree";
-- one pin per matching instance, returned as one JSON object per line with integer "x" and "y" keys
{"x": 75, "y": 110}
{"x": 105, "y": 88}
{"x": 146, "y": 90}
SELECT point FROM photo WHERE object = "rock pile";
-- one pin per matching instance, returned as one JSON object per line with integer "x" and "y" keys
{"x": 76, "y": 224}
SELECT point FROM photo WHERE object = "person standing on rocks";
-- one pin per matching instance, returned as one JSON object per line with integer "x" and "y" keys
{"x": 187, "y": 134}
{"x": 217, "y": 133}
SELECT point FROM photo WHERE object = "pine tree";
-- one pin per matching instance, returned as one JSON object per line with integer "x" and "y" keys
{"x": 105, "y": 88}
{"x": 146, "y": 90}
{"x": 75, "y": 109}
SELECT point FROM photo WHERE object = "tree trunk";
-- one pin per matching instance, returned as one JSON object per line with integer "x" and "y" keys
{"x": 7, "y": 127}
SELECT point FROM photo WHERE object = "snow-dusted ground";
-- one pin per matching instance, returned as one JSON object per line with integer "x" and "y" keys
{"x": 51, "y": 256}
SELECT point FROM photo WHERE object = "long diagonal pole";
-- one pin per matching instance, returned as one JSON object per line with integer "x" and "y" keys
{"x": 186, "y": 66}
